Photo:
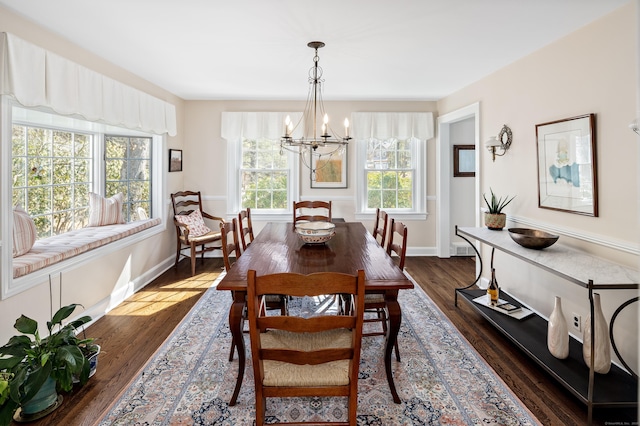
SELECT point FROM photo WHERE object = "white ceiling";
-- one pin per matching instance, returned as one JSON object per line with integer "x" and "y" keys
{"x": 257, "y": 49}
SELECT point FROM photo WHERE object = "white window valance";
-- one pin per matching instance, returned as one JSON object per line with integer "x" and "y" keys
{"x": 254, "y": 125}
{"x": 385, "y": 125}
{"x": 36, "y": 77}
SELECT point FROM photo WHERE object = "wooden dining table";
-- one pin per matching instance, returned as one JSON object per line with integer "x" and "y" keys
{"x": 277, "y": 248}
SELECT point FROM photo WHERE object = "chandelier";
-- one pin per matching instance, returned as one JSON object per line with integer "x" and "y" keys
{"x": 307, "y": 145}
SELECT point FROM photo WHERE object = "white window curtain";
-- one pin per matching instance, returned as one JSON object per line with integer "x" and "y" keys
{"x": 36, "y": 77}
{"x": 254, "y": 125}
{"x": 386, "y": 125}
{"x": 399, "y": 125}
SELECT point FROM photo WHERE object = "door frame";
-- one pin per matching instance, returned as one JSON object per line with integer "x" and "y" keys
{"x": 444, "y": 174}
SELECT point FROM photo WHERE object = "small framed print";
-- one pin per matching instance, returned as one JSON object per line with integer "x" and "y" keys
{"x": 464, "y": 160}
{"x": 328, "y": 170}
{"x": 567, "y": 165}
{"x": 175, "y": 160}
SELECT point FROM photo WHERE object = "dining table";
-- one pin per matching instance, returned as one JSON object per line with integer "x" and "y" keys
{"x": 278, "y": 248}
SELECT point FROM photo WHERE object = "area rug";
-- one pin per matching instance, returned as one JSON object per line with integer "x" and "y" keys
{"x": 441, "y": 379}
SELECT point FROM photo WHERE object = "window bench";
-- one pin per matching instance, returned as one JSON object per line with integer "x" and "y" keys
{"x": 51, "y": 250}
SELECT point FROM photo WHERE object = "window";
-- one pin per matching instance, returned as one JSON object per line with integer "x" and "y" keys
{"x": 128, "y": 170}
{"x": 52, "y": 177}
{"x": 56, "y": 161}
{"x": 261, "y": 175}
{"x": 264, "y": 175}
{"x": 391, "y": 163}
{"x": 390, "y": 170}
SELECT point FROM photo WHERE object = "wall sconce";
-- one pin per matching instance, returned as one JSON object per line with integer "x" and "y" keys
{"x": 634, "y": 126}
{"x": 503, "y": 142}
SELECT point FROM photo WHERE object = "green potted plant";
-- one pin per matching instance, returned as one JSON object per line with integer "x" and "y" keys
{"x": 494, "y": 218}
{"x": 34, "y": 368}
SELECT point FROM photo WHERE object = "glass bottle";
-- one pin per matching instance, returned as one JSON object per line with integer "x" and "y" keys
{"x": 493, "y": 291}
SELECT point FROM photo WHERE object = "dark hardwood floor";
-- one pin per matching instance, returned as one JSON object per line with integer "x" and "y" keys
{"x": 131, "y": 333}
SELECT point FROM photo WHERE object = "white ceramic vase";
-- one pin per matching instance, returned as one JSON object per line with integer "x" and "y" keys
{"x": 602, "y": 346}
{"x": 558, "y": 332}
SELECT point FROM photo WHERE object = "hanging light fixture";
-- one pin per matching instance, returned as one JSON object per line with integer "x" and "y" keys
{"x": 307, "y": 145}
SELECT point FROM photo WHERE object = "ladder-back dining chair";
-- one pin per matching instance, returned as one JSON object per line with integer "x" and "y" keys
{"x": 245, "y": 227}
{"x": 374, "y": 302}
{"x": 193, "y": 234}
{"x": 314, "y": 356}
{"x": 231, "y": 248}
{"x": 313, "y": 211}
{"x": 380, "y": 226}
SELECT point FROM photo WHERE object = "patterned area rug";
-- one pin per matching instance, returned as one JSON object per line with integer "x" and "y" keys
{"x": 441, "y": 378}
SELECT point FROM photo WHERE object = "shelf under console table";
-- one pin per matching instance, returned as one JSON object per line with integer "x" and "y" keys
{"x": 618, "y": 388}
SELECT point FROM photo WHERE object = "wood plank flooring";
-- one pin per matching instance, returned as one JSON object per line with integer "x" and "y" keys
{"x": 131, "y": 333}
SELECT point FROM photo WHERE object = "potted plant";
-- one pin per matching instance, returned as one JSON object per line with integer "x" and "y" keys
{"x": 34, "y": 367}
{"x": 494, "y": 218}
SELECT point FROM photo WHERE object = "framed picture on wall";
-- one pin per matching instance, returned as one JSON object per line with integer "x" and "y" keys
{"x": 328, "y": 171}
{"x": 464, "y": 160}
{"x": 175, "y": 160}
{"x": 567, "y": 178}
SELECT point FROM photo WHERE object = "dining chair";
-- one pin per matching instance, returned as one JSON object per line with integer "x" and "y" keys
{"x": 245, "y": 229}
{"x": 315, "y": 356}
{"x": 321, "y": 211}
{"x": 374, "y": 302}
{"x": 192, "y": 232}
{"x": 231, "y": 248}
{"x": 380, "y": 226}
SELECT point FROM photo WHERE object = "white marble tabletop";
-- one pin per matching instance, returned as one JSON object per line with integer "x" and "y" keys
{"x": 571, "y": 264}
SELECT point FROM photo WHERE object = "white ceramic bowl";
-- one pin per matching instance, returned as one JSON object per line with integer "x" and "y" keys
{"x": 315, "y": 232}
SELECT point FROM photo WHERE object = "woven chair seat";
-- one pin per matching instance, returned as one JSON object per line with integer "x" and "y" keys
{"x": 335, "y": 373}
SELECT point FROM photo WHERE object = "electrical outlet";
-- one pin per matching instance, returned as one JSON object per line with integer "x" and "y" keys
{"x": 576, "y": 322}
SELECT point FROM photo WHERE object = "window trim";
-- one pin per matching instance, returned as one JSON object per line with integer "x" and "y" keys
{"x": 419, "y": 211}
{"x": 234, "y": 198}
{"x": 10, "y": 286}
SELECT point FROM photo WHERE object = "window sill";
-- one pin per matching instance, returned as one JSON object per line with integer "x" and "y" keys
{"x": 32, "y": 279}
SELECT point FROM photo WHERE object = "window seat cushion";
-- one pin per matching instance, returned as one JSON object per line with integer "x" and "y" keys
{"x": 47, "y": 251}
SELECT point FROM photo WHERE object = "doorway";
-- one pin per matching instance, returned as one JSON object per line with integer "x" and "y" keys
{"x": 450, "y": 196}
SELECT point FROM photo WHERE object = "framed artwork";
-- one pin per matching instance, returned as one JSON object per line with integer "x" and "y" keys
{"x": 175, "y": 160}
{"x": 328, "y": 171}
{"x": 567, "y": 165}
{"x": 464, "y": 160}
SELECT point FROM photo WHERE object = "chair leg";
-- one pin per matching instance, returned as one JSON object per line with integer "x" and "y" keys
{"x": 193, "y": 259}
{"x": 261, "y": 405}
{"x": 233, "y": 347}
{"x": 175, "y": 266}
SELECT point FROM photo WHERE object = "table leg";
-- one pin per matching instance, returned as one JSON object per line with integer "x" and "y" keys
{"x": 235, "y": 325}
{"x": 395, "y": 318}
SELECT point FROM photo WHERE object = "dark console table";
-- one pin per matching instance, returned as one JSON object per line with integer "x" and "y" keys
{"x": 618, "y": 388}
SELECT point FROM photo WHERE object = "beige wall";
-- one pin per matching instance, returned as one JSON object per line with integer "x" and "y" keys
{"x": 207, "y": 170}
{"x": 93, "y": 284}
{"x": 593, "y": 70}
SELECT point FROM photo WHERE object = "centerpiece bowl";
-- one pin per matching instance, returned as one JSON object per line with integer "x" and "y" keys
{"x": 315, "y": 232}
{"x": 532, "y": 238}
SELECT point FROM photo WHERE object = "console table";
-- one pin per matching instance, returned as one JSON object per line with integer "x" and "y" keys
{"x": 618, "y": 388}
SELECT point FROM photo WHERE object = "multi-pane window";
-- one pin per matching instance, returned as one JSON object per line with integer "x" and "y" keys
{"x": 52, "y": 172}
{"x": 128, "y": 170}
{"x": 264, "y": 175}
{"x": 54, "y": 169}
{"x": 390, "y": 173}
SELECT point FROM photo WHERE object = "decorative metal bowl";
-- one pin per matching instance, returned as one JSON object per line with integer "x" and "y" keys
{"x": 315, "y": 232}
{"x": 532, "y": 238}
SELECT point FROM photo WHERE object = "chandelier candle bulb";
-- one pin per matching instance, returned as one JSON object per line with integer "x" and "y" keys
{"x": 346, "y": 128}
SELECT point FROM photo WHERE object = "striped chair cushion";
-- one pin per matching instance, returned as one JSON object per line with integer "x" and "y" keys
{"x": 47, "y": 251}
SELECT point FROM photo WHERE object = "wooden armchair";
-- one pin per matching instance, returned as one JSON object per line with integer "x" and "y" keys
{"x": 321, "y": 207}
{"x": 191, "y": 230}
{"x": 245, "y": 229}
{"x": 316, "y": 356}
